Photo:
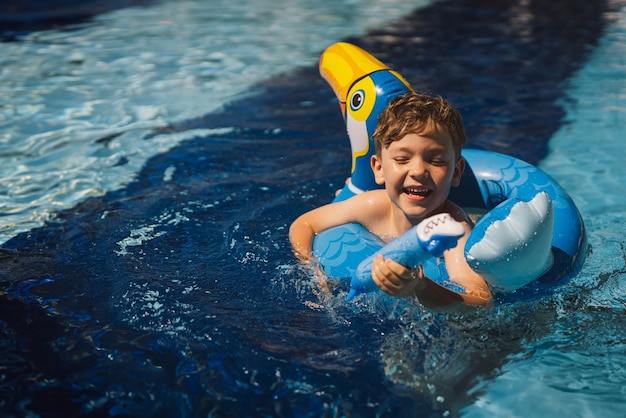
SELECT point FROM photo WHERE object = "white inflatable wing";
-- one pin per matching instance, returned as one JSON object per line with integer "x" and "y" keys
{"x": 511, "y": 245}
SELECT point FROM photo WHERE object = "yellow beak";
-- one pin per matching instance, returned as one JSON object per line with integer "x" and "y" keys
{"x": 342, "y": 64}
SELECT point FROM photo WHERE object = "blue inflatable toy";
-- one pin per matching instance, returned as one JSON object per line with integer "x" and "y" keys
{"x": 528, "y": 229}
{"x": 430, "y": 238}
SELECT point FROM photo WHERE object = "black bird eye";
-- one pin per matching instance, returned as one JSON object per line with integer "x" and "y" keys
{"x": 357, "y": 99}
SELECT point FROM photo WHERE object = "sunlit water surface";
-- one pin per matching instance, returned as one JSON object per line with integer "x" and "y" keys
{"x": 66, "y": 92}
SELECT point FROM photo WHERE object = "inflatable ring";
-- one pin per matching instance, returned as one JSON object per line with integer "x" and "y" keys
{"x": 528, "y": 228}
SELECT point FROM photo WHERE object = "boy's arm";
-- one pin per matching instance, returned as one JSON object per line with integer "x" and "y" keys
{"x": 477, "y": 291}
{"x": 301, "y": 234}
{"x": 358, "y": 209}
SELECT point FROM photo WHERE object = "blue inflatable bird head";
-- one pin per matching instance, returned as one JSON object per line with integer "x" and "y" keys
{"x": 364, "y": 86}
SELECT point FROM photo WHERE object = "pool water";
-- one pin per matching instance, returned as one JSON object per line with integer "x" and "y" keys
{"x": 154, "y": 156}
{"x": 581, "y": 362}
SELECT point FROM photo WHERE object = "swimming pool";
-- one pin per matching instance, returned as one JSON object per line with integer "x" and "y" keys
{"x": 150, "y": 172}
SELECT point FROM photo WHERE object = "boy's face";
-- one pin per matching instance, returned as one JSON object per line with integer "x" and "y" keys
{"x": 418, "y": 171}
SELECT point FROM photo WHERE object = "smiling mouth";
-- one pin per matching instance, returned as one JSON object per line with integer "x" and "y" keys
{"x": 417, "y": 191}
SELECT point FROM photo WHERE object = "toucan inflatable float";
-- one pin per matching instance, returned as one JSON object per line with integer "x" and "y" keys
{"x": 530, "y": 230}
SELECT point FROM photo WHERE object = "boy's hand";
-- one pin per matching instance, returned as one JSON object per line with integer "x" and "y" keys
{"x": 395, "y": 279}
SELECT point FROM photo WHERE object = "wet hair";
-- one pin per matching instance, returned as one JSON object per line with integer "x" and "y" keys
{"x": 418, "y": 114}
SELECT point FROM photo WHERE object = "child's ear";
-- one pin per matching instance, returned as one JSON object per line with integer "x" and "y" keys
{"x": 377, "y": 168}
{"x": 459, "y": 167}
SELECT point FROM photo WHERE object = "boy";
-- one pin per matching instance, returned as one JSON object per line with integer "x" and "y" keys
{"x": 418, "y": 143}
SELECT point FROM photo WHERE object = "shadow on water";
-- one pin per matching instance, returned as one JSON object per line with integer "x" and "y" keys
{"x": 178, "y": 295}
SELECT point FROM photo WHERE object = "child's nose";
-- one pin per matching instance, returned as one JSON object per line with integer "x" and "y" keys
{"x": 418, "y": 169}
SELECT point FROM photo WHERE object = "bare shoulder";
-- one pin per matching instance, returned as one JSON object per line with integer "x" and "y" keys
{"x": 373, "y": 197}
{"x": 457, "y": 213}
{"x": 358, "y": 209}
{"x": 366, "y": 208}
{"x": 373, "y": 203}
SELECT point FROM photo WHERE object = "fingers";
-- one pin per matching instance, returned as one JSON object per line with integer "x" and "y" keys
{"x": 391, "y": 277}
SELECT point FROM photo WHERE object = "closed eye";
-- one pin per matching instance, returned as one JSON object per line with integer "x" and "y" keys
{"x": 438, "y": 159}
{"x": 438, "y": 162}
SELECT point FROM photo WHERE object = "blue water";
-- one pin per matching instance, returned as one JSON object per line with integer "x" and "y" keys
{"x": 153, "y": 158}
{"x": 580, "y": 366}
